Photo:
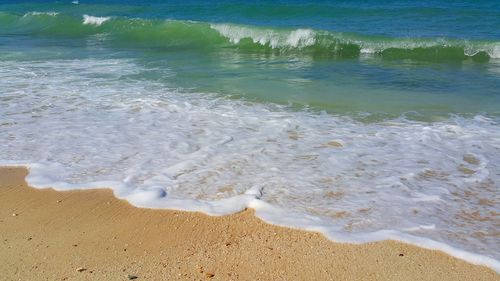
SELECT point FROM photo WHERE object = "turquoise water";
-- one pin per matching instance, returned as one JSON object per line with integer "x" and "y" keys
{"x": 362, "y": 120}
{"x": 432, "y": 58}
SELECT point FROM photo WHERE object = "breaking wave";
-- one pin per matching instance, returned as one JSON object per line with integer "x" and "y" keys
{"x": 166, "y": 34}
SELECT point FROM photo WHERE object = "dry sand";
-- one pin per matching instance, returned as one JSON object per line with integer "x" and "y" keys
{"x": 49, "y": 235}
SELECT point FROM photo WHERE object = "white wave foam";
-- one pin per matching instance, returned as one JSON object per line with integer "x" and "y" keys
{"x": 366, "y": 50}
{"x": 493, "y": 50}
{"x": 420, "y": 227}
{"x": 373, "y": 47}
{"x": 283, "y": 217}
{"x": 470, "y": 48}
{"x": 299, "y": 38}
{"x": 94, "y": 20}
{"x": 159, "y": 148}
{"x": 35, "y": 13}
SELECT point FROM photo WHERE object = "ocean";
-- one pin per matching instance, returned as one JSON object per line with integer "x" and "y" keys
{"x": 359, "y": 119}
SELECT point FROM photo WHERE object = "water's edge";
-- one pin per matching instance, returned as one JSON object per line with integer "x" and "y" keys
{"x": 264, "y": 211}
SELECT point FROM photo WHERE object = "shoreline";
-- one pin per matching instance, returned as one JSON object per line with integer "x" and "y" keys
{"x": 51, "y": 234}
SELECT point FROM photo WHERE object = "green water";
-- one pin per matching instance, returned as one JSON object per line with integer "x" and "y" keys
{"x": 310, "y": 64}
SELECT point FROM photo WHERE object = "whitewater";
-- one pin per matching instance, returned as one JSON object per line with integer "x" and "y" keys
{"x": 170, "y": 33}
{"x": 429, "y": 184}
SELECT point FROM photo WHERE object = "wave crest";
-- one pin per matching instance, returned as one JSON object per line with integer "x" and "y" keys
{"x": 299, "y": 38}
{"x": 125, "y": 32}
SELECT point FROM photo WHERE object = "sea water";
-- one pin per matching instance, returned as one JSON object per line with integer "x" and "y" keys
{"x": 362, "y": 120}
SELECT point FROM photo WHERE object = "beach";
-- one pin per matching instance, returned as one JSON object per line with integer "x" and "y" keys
{"x": 90, "y": 235}
{"x": 237, "y": 140}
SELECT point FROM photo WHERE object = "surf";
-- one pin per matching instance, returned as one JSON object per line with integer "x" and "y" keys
{"x": 123, "y": 32}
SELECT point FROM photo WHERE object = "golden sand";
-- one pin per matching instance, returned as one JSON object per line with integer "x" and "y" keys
{"x": 91, "y": 235}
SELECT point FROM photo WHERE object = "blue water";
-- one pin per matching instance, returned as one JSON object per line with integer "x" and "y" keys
{"x": 431, "y": 57}
{"x": 451, "y": 19}
{"x": 361, "y": 119}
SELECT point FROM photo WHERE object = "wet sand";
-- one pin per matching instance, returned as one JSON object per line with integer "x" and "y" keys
{"x": 91, "y": 235}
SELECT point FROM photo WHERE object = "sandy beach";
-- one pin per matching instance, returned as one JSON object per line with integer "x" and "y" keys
{"x": 90, "y": 235}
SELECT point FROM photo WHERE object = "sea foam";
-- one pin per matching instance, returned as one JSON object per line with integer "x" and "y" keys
{"x": 94, "y": 20}
{"x": 428, "y": 184}
{"x": 191, "y": 34}
{"x": 35, "y": 13}
{"x": 298, "y": 38}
